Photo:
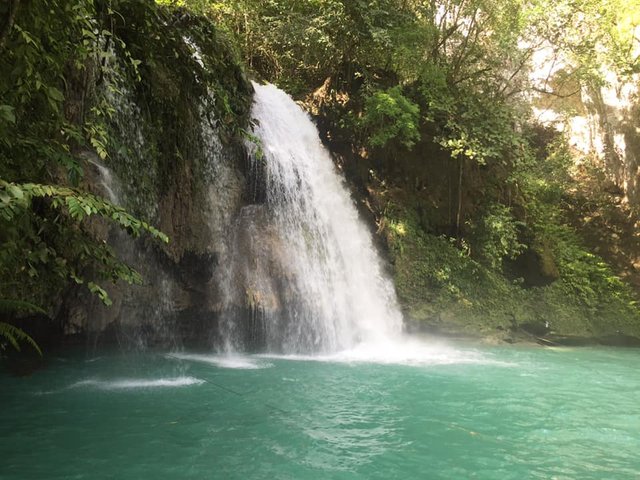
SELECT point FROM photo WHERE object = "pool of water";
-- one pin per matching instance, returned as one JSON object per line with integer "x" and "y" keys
{"x": 428, "y": 412}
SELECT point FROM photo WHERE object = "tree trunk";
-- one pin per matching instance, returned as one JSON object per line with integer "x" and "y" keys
{"x": 6, "y": 28}
{"x": 459, "y": 212}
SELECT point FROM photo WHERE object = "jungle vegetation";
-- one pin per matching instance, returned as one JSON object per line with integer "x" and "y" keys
{"x": 426, "y": 104}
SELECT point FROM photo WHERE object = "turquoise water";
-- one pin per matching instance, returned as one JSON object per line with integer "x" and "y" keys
{"x": 448, "y": 413}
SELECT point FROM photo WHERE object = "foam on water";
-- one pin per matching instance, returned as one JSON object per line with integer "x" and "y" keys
{"x": 404, "y": 351}
{"x": 135, "y": 383}
{"x": 224, "y": 361}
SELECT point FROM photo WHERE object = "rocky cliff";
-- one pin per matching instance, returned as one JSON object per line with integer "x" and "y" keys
{"x": 175, "y": 103}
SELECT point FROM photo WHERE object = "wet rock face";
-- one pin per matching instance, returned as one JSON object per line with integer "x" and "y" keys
{"x": 195, "y": 269}
{"x": 179, "y": 166}
{"x": 255, "y": 276}
{"x": 198, "y": 208}
{"x": 180, "y": 298}
{"x": 260, "y": 286}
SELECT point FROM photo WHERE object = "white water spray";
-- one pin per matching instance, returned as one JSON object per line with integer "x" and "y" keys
{"x": 330, "y": 288}
{"x": 106, "y": 180}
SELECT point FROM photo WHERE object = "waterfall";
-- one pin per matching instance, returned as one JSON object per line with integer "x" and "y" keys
{"x": 302, "y": 260}
{"x": 105, "y": 180}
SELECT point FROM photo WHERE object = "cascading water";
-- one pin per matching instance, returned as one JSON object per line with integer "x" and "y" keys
{"x": 307, "y": 263}
{"x": 105, "y": 180}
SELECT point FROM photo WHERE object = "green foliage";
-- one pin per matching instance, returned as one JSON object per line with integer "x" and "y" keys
{"x": 12, "y": 334}
{"x": 427, "y": 267}
{"x": 587, "y": 274}
{"x": 545, "y": 184}
{"x": 15, "y": 335}
{"x": 255, "y": 144}
{"x": 497, "y": 235}
{"x": 45, "y": 239}
{"x": 462, "y": 58}
{"x": 480, "y": 130}
{"x": 442, "y": 286}
{"x": 593, "y": 35}
{"x": 300, "y": 43}
{"x": 55, "y": 55}
{"x": 390, "y": 117}
{"x": 16, "y": 199}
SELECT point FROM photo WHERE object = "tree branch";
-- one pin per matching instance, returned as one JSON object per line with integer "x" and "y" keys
{"x": 555, "y": 94}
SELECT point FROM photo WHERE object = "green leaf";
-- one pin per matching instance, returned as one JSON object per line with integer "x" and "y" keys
{"x": 55, "y": 94}
{"x": 7, "y": 112}
{"x": 14, "y": 335}
{"x": 102, "y": 293}
{"x": 12, "y": 305}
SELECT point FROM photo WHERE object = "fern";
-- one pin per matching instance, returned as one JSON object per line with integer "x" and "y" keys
{"x": 15, "y": 198}
{"x": 13, "y": 334}
{"x": 11, "y": 305}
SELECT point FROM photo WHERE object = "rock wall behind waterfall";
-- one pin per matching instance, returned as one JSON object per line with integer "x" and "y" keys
{"x": 175, "y": 159}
